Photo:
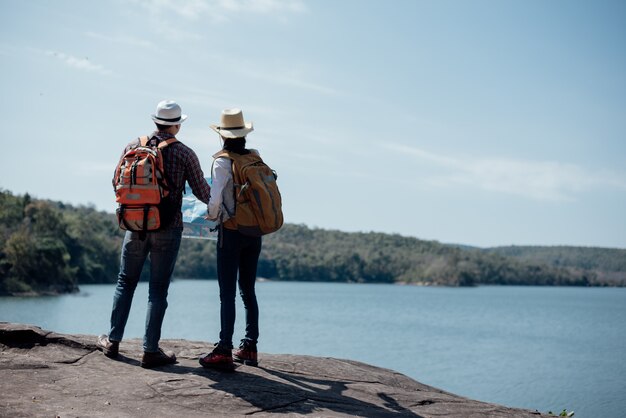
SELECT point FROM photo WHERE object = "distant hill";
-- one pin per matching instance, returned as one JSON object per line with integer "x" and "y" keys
{"x": 52, "y": 247}
{"x": 608, "y": 264}
{"x": 297, "y": 252}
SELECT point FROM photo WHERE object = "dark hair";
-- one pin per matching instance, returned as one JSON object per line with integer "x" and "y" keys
{"x": 162, "y": 128}
{"x": 237, "y": 145}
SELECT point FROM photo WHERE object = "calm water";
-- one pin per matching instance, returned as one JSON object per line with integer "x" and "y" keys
{"x": 531, "y": 347}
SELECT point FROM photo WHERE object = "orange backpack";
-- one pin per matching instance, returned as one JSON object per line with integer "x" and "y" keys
{"x": 140, "y": 187}
{"x": 258, "y": 204}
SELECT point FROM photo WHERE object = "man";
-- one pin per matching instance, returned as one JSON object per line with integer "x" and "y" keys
{"x": 236, "y": 253}
{"x": 181, "y": 165}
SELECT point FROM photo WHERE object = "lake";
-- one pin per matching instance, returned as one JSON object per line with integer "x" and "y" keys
{"x": 544, "y": 348}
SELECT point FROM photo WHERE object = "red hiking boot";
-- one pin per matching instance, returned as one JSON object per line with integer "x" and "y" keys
{"x": 247, "y": 353}
{"x": 219, "y": 359}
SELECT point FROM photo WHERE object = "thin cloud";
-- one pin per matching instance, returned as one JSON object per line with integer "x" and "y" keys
{"x": 124, "y": 40}
{"x": 222, "y": 10}
{"x": 538, "y": 180}
{"x": 263, "y": 6}
{"x": 203, "y": 97}
{"x": 303, "y": 84}
{"x": 280, "y": 74}
{"x": 290, "y": 79}
{"x": 82, "y": 64}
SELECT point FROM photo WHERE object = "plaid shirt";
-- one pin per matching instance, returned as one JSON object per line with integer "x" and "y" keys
{"x": 181, "y": 165}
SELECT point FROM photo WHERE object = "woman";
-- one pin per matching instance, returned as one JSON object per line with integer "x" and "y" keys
{"x": 236, "y": 253}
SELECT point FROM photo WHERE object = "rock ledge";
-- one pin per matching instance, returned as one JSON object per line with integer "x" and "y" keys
{"x": 47, "y": 374}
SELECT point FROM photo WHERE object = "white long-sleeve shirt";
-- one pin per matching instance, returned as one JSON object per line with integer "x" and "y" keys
{"x": 222, "y": 201}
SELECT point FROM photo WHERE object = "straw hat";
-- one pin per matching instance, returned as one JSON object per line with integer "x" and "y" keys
{"x": 168, "y": 113}
{"x": 232, "y": 124}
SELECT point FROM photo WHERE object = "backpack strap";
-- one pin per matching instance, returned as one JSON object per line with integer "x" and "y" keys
{"x": 143, "y": 233}
{"x": 220, "y": 154}
{"x": 167, "y": 142}
{"x": 143, "y": 141}
{"x": 233, "y": 157}
{"x": 241, "y": 160}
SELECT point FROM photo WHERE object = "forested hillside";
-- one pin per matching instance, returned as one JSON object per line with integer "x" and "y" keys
{"x": 51, "y": 247}
{"x": 300, "y": 253}
{"x": 609, "y": 264}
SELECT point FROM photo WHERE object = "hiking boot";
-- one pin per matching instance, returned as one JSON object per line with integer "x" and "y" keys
{"x": 246, "y": 353}
{"x": 110, "y": 348}
{"x": 220, "y": 359}
{"x": 160, "y": 358}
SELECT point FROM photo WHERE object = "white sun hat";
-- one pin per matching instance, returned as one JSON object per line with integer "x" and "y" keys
{"x": 168, "y": 113}
{"x": 232, "y": 124}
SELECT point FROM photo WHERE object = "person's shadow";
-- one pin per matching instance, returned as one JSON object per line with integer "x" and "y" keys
{"x": 292, "y": 393}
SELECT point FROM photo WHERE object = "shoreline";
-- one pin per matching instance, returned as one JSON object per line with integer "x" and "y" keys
{"x": 49, "y": 293}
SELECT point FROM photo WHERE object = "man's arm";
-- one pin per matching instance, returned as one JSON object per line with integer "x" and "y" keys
{"x": 195, "y": 178}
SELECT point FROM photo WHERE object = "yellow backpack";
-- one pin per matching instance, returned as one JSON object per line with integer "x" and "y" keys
{"x": 258, "y": 204}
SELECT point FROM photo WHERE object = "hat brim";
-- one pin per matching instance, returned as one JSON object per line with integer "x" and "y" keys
{"x": 234, "y": 133}
{"x": 170, "y": 123}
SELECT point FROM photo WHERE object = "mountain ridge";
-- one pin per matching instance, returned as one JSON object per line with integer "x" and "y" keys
{"x": 52, "y": 247}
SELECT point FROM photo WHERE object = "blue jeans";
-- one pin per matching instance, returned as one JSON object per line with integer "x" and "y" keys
{"x": 237, "y": 253}
{"x": 163, "y": 249}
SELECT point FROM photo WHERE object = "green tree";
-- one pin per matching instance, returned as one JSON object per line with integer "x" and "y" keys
{"x": 39, "y": 264}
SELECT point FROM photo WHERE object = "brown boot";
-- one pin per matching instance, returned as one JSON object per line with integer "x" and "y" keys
{"x": 160, "y": 358}
{"x": 110, "y": 348}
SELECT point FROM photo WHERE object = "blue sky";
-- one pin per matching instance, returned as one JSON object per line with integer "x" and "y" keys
{"x": 476, "y": 122}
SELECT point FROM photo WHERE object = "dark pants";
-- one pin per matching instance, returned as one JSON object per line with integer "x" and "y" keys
{"x": 237, "y": 253}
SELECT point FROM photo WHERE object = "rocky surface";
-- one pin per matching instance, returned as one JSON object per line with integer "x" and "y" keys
{"x": 43, "y": 374}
